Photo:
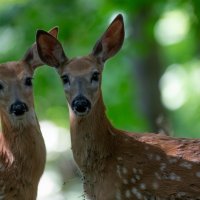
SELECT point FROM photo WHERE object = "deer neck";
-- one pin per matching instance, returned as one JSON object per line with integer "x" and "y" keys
{"x": 12, "y": 129}
{"x": 20, "y": 135}
{"x": 91, "y": 136}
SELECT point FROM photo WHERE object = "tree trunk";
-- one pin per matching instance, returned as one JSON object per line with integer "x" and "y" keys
{"x": 147, "y": 70}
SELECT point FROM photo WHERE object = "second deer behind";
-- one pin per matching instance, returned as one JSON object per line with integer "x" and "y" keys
{"x": 116, "y": 164}
{"x": 22, "y": 148}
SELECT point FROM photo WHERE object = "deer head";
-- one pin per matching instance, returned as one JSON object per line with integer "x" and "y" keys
{"x": 82, "y": 76}
{"x": 16, "y": 96}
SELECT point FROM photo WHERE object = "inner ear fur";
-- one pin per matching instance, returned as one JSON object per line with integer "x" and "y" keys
{"x": 50, "y": 49}
{"x": 111, "y": 41}
{"x": 31, "y": 56}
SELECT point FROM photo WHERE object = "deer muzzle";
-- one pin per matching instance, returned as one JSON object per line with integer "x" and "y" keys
{"x": 18, "y": 108}
{"x": 81, "y": 105}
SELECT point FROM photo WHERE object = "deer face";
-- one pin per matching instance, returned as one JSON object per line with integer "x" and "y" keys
{"x": 81, "y": 76}
{"x": 16, "y": 98}
{"x": 16, "y": 95}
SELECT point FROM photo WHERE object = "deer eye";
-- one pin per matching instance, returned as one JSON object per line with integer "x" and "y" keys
{"x": 65, "y": 79}
{"x": 95, "y": 77}
{"x": 28, "y": 81}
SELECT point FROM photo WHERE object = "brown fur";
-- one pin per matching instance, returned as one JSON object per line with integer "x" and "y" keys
{"x": 22, "y": 148}
{"x": 146, "y": 166}
{"x": 116, "y": 164}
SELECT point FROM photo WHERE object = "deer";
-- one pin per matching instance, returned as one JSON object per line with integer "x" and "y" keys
{"x": 22, "y": 147}
{"x": 116, "y": 164}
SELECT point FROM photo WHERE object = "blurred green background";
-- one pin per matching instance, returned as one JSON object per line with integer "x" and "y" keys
{"x": 152, "y": 84}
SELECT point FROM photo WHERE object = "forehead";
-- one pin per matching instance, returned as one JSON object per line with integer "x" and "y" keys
{"x": 12, "y": 70}
{"x": 82, "y": 65}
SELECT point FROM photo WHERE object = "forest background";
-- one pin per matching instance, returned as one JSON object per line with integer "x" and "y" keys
{"x": 151, "y": 85}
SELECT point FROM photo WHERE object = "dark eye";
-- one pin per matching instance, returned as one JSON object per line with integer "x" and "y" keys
{"x": 95, "y": 77}
{"x": 1, "y": 86}
{"x": 65, "y": 79}
{"x": 28, "y": 81}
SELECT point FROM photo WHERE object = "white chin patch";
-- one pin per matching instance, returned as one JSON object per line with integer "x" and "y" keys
{"x": 26, "y": 119}
{"x": 81, "y": 114}
{"x": 19, "y": 118}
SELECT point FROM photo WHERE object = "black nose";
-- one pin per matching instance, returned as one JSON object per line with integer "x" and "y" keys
{"x": 18, "y": 108}
{"x": 80, "y": 104}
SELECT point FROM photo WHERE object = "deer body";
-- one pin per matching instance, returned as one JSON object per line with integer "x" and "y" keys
{"x": 22, "y": 148}
{"x": 121, "y": 165}
{"x": 117, "y": 165}
{"x": 23, "y": 158}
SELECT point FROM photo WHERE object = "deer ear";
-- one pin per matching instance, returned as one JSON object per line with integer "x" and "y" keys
{"x": 54, "y": 31}
{"x": 111, "y": 41}
{"x": 32, "y": 57}
{"x": 50, "y": 49}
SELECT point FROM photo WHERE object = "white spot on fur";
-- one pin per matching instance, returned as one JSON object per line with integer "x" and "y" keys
{"x": 136, "y": 193}
{"x": 127, "y": 194}
{"x": 124, "y": 170}
{"x": 125, "y": 181}
{"x": 162, "y": 166}
{"x": 133, "y": 180}
{"x": 118, "y": 195}
{"x": 174, "y": 177}
{"x": 134, "y": 170}
{"x": 142, "y": 186}
{"x": 186, "y": 165}
{"x": 2, "y": 167}
{"x": 2, "y": 196}
{"x": 155, "y": 185}
{"x": 158, "y": 158}
{"x": 2, "y": 192}
{"x": 157, "y": 175}
{"x": 137, "y": 177}
{"x": 172, "y": 160}
{"x": 150, "y": 156}
{"x": 198, "y": 174}
{"x": 119, "y": 171}
{"x": 181, "y": 194}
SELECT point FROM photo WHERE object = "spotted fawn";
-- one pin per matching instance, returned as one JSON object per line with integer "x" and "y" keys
{"x": 115, "y": 164}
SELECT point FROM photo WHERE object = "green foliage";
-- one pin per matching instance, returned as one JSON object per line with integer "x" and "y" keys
{"x": 81, "y": 23}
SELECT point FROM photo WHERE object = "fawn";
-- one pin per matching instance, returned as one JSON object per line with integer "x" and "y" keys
{"x": 22, "y": 148}
{"x": 116, "y": 164}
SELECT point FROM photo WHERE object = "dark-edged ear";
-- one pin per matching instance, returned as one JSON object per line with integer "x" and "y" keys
{"x": 32, "y": 57}
{"x": 54, "y": 31}
{"x": 111, "y": 41}
{"x": 50, "y": 49}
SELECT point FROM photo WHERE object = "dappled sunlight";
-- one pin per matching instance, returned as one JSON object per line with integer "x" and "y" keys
{"x": 53, "y": 185}
{"x": 179, "y": 84}
{"x": 57, "y": 139}
{"x": 195, "y": 78}
{"x": 172, "y": 27}
{"x": 162, "y": 37}
{"x": 7, "y": 2}
{"x": 7, "y": 38}
{"x": 49, "y": 185}
{"x": 172, "y": 86}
